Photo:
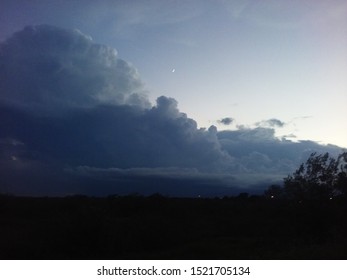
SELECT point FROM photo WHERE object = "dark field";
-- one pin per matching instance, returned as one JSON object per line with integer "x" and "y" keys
{"x": 156, "y": 227}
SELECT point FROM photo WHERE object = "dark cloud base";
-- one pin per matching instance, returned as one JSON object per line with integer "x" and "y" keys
{"x": 68, "y": 104}
{"x": 45, "y": 182}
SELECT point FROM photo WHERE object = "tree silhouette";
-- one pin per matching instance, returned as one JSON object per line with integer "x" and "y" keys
{"x": 321, "y": 177}
{"x": 341, "y": 181}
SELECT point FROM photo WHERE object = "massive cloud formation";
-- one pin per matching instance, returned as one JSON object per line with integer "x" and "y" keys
{"x": 75, "y": 118}
{"x": 70, "y": 103}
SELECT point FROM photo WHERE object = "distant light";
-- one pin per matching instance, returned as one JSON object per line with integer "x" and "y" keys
{"x": 272, "y": 196}
{"x": 13, "y": 158}
{"x": 199, "y": 196}
{"x": 330, "y": 198}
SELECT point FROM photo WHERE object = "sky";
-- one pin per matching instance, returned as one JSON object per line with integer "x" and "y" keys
{"x": 199, "y": 96}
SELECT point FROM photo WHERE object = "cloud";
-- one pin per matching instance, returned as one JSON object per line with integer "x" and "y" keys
{"x": 258, "y": 134}
{"x": 75, "y": 118}
{"x": 116, "y": 136}
{"x": 226, "y": 121}
{"x": 271, "y": 123}
{"x": 72, "y": 102}
{"x": 291, "y": 135}
{"x": 258, "y": 151}
{"x": 48, "y": 68}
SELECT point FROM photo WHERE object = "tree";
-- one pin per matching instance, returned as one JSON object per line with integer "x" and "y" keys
{"x": 341, "y": 182}
{"x": 321, "y": 177}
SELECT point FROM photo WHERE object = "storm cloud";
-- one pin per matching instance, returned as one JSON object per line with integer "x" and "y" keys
{"x": 75, "y": 118}
{"x": 44, "y": 67}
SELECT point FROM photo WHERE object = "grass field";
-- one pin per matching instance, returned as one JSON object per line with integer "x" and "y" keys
{"x": 135, "y": 227}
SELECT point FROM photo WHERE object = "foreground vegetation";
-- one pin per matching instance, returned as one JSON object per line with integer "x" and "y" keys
{"x": 155, "y": 227}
